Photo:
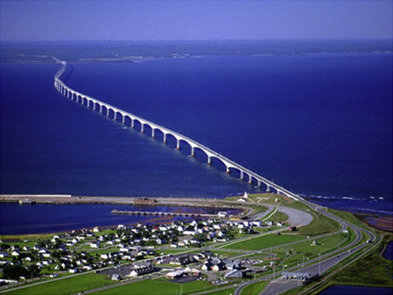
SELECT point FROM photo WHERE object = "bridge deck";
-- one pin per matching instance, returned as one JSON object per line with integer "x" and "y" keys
{"x": 81, "y": 98}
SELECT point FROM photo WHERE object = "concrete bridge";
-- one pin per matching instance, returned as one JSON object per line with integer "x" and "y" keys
{"x": 127, "y": 118}
{"x": 160, "y": 213}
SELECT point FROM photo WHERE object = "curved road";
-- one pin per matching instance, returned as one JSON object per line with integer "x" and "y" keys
{"x": 319, "y": 265}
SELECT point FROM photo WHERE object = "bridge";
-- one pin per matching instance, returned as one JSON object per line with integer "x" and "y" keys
{"x": 160, "y": 213}
{"x": 124, "y": 117}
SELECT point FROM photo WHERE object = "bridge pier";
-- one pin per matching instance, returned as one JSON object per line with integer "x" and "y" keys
{"x": 80, "y": 98}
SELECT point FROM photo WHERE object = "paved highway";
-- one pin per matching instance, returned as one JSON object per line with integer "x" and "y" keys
{"x": 316, "y": 266}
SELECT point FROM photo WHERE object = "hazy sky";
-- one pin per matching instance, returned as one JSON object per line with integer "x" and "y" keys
{"x": 193, "y": 20}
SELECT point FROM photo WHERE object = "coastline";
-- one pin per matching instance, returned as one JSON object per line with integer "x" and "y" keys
{"x": 124, "y": 200}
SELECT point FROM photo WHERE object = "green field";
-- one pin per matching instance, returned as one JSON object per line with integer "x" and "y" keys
{"x": 254, "y": 289}
{"x": 156, "y": 287}
{"x": 65, "y": 286}
{"x": 305, "y": 250}
{"x": 319, "y": 226}
{"x": 265, "y": 241}
{"x": 372, "y": 269}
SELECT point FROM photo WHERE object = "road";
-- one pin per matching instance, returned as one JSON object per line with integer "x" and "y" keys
{"x": 316, "y": 266}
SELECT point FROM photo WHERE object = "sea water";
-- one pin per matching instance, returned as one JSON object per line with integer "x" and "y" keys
{"x": 316, "y": 124}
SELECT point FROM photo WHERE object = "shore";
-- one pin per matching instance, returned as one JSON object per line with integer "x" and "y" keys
{"x": 141, "y": 201}
{"x": 384, "y": 223}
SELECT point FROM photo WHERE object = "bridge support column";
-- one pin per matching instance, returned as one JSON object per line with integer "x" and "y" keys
{"x": 132, "y": 123}
{"x": 228, "y": 171}
{"x": 152, "y": 132}
{"x": 123, "y": 120}
{"x": 268, "y": 189}
{"x": 177, "y": 144}
{"x": 209, "y": 160}
{"x": 100, "y": 109}
{"x": 249, "y": 179}
{"x": 259, "y": 184}
{"x": 241, "y": 175}
{"x": 192, "y": 152}
{"x": 107, "y": 112}
{"x": 164, "y": 138}
{"x": 142, "y": 128}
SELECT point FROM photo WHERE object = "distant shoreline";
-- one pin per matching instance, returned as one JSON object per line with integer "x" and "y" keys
{"x": 124, "y": 200}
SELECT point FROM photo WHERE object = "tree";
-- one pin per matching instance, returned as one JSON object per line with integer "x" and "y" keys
{"x": 15, "y": 271}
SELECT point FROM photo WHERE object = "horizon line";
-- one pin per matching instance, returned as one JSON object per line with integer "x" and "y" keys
{"x": 196, "y": 40}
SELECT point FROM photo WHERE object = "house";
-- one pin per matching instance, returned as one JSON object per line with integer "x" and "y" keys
{"x": 235, "y": 273}
{"x": 174, "y": 274}
{"x": 142, "y": 269}
{"x": 15, "y": 253}
{"x": 3, "y": 254}
{"x": 105, "y": 256}
{"x": 95, "y": 244}
{"x": 115, "y": 277}
{"x": 222, "y": 214}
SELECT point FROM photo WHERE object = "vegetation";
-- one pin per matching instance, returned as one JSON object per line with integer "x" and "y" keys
{"x": 254, "y": 289}
{"x": 371, "y": 270}
{"x": 158, "y": 287}
{"x": 319, "y": 226}
{"x": 69, "y": 285}
{"x": 265, "y": 241}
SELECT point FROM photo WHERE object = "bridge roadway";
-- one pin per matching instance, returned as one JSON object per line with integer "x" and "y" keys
{"x": 113, "y": 112}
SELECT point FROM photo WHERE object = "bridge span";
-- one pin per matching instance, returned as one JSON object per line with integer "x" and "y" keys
{"x": 118, "y": 114}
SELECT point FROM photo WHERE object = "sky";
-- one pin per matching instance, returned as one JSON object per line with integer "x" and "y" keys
{"x": 96, "y": 20}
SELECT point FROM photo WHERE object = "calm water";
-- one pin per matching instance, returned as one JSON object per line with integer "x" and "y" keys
{"x": 389, "y": 251}
{"x": 316, "y": 124}
{"x": 29, "y": 219}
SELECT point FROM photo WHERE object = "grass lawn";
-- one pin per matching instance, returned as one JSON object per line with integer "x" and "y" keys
{"x": 278, "y": 217}
{"x": 264, "y": 242}
{"x": 324, "y": 245}
{"x": 66, "y": 286}
{"x": 372, "y": 269}
{"x": 254, "y": 289}
{"x": 229, "y": 291}
{"x": 319, "y": 226}
{"x": 155, "y": 287}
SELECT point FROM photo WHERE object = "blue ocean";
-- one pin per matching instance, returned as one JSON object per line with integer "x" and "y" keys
{"x": 317, "y": 124}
